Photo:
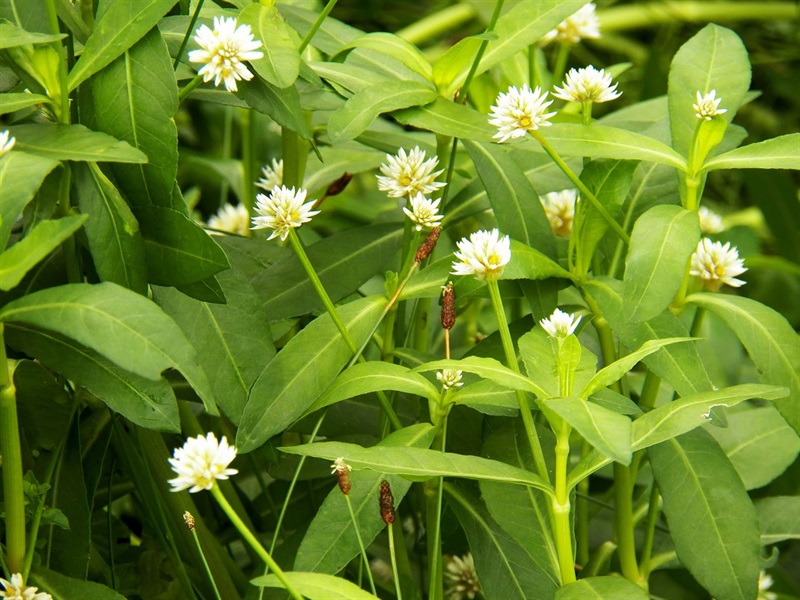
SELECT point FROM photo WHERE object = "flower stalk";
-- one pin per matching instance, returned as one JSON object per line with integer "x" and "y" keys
{"x": 190, "y": 524}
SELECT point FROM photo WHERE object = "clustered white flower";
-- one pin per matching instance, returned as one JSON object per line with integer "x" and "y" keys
{"x": 282, "y": 210}
{"x": 560, "y": 210}
{"x": 273, "y": 176}
{"x": 450, "y": 378}
{"x": 764, "y": 583}
{"x": 7, "y": 142}
{"x": 223, "y": 51}
{"x": 485, "y": 254}
{"x": 339, "y": 466}
{"x": 232, "y": 219}
{"x": 584, "y": 24}
{"x": 200, "y": 462}
{"x": 461, "y": 578}
{"x": 717, "y": 264}
{"x": 587, "y": 84}
{"x": 424, "y": 212}
{"x": 560, "y": 324}
{"x": 517, "y": 112}
{"x": 407, "y": 174}
{"x": 707, "y": 106}
{"x": 710, "y": 222}
{"x": 17, "y": 590}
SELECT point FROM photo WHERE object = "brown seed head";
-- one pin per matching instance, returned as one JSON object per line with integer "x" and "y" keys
{"x": 427, "y": 246}
{"x": 337, "y": 187}
{"x": 189, "y": 519}
{"x": 387, "y": 503}
{"x": 448, "y": 306}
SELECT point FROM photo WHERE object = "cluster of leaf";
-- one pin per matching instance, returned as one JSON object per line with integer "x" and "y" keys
{"x": 116, "y": 304}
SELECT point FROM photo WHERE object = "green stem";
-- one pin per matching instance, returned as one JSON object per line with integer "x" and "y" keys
{"x": 582, "y": 515}
{"x": 188, "y": 34}
{"x": 561, "y": 507}
{"x": 62, "y": 102}
{"x": 560, "y": 65}
{"x": 586, "y": 115}
{"x": 652, "y": 383}
{"x": 317, "y": 24}
{"x": 462, "y": 93}
{"x": 623, "y": 522}
{"x": 294, "y": 151}
{"x": 13, "y": 495}
{"x": 653, "y": 512}
{"x": 533, "y": 76}
{"x": 248, "y": 158}
{"x": 393, "y": 555}
{"x": 697, "y": 322}
{"x": 189, "y": 88}
{"x": 599, "y": 559}
{"x": 433, "y": 496}
{"x": 447, "y": 19}
{"x": 205, "y": 563}
{"x": 585, "y": 193}
{"x": 361, "y": 544}
{"x": 254, "y": 543}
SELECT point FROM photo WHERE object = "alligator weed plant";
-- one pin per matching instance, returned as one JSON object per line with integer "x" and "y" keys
{"x": 399, "y": 300}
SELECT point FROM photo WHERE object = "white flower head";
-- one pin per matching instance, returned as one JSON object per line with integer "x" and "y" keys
{"x": 450, "y": 378}
{"x": 17, "y": 590}
{"x": 273, "y": 176}
{"x": 560, "y": 210}
{"x": 710, "y": 222}
{"x": 484, "y": 255}
{"x": 716, "y": 264}
{"x": 200, "y": 462}
{"x": 406, "y": 175}
{"x": 7, "y": 142}
{"x": 461, "y": 578}
{"x": 584, "y": 24}
{"x": 708, "y": 106}
{"x": 223, "y": 51}
{"x": 764, "y": 583}
{"x": 519, "y": 111}
{"x": 339, "y": 466}
{"x": 282, "y": 210}
{"x": 560, "y": 325}
{"x": 424, "y": 212}
{"x": 587, "y": 84}
{"x": 230, "y": 218}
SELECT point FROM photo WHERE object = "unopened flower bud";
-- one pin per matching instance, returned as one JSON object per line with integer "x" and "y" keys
{"x": 342, "y": 471}
{"x": 427, "y": 246}
{"x": 189, "y": 519}
{"x": 448, "y": 306}
{"x": 337, "y": 187}
{"x": 387, "y": 503}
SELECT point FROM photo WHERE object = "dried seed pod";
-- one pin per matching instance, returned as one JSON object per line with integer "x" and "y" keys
{"x": 427, "y": 246}
{"x": 448, "y": 306}
{"x": 387, "y": 503}
{"x": 342, "y": 471}
{"x": 189, "y": 520}
{"x": 337, "y": 187}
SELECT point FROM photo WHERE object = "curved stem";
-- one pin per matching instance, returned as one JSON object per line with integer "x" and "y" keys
{"x": 360, "y": 544}
{"x": 205, "y": 563}
{"x": 653, "y": 512}
{"x": 189, "y": 88}
{"x": 481, "y": 50}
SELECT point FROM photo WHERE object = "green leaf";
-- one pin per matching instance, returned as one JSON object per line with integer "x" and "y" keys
{"x": 607, "y": 431}
{"x": 450, "y": 70}
{"x": 331, "y": 37}
{"x": 336, "y": 161}
{"x": 420, "y": 464}
{"x": 488, "y": 368}
{"x": 301, "y": 371}
{"x": 778, "y": 518}
{"x": 122, "y": 24}
{"x": 345, "y": 77}
{"x": 281, "y": 62}
{"x": 512, "y": 196}
{"x": 45, "y": 408}
{"x": 112, "y": 231}
{"x": 12, "y": 102}
{"x": 12, "y": 36}
{"x": 134, "y": 99}
{"x": 529, "y": 263}
{"x": 609, "y": 587}
{"x": 714, "y": 59}
{"x": 538, "y": 351}
{"x": 45, "y": 237}
{"x": 123, "y": 326}
{"x": 233, "y": 340}
{"x": 73, "y": 142}
{"x": 330, "y": 541}
{"x": 782, "y": 152}
{"x": 397, "y": 48}
{"x": 662, "y": 242}
{"x": 759, "y": 444}
{"x": 447, "y": 118}
{"x": 711, "y": 519}
{"x": 65, "y": 588}
{"x": 487, "y": 397}
{"x": 316, "y": 586}
{"x": 281, "y": 104}
{"x": 363, "y": 108}
{"x": 505, "y": 569}
{"x": 771, "y": 342}
{"x": 150, "y": 404}
{"x": 178, "y": 251}
{"x": 21, "y": 174}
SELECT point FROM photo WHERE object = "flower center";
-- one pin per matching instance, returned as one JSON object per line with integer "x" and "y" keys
{"x": 525, "y": 121}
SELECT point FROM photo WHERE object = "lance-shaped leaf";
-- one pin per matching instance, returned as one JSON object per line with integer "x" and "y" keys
{"x": 73, "y": 142}
{"x": 448, "y": 118}
{"x": 128, "y": 329}
{"x": 12, "y": 36}
{"x": 662, "y": 241}
{"x": 778, "y": 518}
{"x": 487, "y": 397}
{"x": 529, "y": 263}
{"x": 488, "y": 368}
{"x": 280, "y": 64}
{"x": 711, "y": 518}
{"x": 316, "y": 586}
{"x": 331, "y": 37}
{"x": 420, "y": 464}
{"x": 301, "y": 371}
{"x": 281, "y": 104}
{"x": 770, "y": 340}
{"x": 601, "y": 588}
{"x": 21, "y": 174}
{"x": 12, "y": 102}
{"x": 782, "y": 152}
{"x": 397, "y": 48}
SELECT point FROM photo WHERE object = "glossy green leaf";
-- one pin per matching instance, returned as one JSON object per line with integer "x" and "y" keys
{"x": 529, "y": 263}
{"x": 21, "y": 174}
{"x": 759, "y": 444}
{"x": 608, "y": 587}
{"x": 73, "y": 142}
{"x": 280, "y": 64}
{"x": 420, "y": 464}
{"x": 397, "y": 48}
{"x": 302, "y": 370}
{"x": 10, "y": 102}
{"x": 662, "y": 242}
{"x": 778, "y": 518}
{"x": 538, "y": 351}
{"x": 40, "y": 241}
{"x": 771, "y": 342}
{"x": 43, "y": 405}
{"x": 343, "y": 262}
{"x": 135, "y": 99}
{"x": 281, "y": 104}
{"x": 330, "y": 541}
{"x": 331, "y": 37}
{"x": 61, "y": 587}
{"x": 338, "y": 160}
{"x": 450, "y": 69}
{"x": 122, "y": 24}
{"x": 178, "y": 251}
{"x": 233, "y": 340}
{"x": 782, "y": 152}
{"x": 112, "y": 231}
{"x": 487, "y": 397}
{"x": 316, "y": 586}
{"x": 363, "y": 108}
{"x": 488, "y": 368}
{"x": 447, "y": 118}
{"x": 148, "y": 403}
{"x": 711, "y": 519}
{"x": 351, "y": 78}
{"x": 714, "y": 59}
{"x": 123, "y": 326}
{"x": 12, "y": 36}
